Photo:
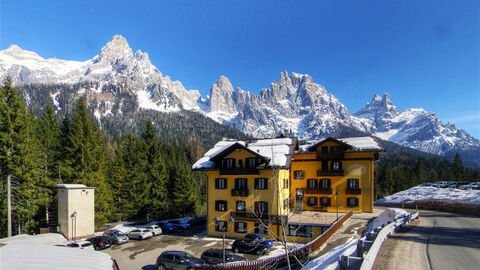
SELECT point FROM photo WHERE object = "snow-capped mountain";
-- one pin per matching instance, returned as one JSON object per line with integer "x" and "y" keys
{"x": 294, "y": 103}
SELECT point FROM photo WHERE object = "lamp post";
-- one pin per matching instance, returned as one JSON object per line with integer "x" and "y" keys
{"x": 337, "y": 194}
{"x": 216, "y": 219}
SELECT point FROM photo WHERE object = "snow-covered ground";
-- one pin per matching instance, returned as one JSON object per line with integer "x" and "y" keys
{"x": 329, "y": 260}
{"x": 443, "y": 196}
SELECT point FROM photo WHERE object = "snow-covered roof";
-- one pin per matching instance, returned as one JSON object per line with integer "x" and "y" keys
{"x": 21, "y": 256}
{"x": 366, "y": 143}
{"x": 46, "y": 239}
{"x": 71, "y": 186}
{"x": 277, "y": 151}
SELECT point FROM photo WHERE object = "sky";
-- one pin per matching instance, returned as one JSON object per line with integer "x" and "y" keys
{"x": 423, "y": 53}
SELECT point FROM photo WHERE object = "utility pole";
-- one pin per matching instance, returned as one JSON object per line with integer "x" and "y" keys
{"x": 9, "y": 205}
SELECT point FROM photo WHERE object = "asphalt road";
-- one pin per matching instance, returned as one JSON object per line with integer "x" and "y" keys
{"x": 438, "y": 240}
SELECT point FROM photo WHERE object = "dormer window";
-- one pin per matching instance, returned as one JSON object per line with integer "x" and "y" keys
{"x": 251, "y": 162}
{"x": 335, "y": 149}
{"x": 229, "y": 163}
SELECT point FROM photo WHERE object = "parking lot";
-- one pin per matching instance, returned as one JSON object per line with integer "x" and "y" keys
{"x": 142, "y": 254}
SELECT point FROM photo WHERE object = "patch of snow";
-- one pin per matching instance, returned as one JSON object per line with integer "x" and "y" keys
{"x": 55, "y": 100}
{"x": 432, "y": 194}
{"x": 386, "y": 217}
{"x": 329, "y": 260}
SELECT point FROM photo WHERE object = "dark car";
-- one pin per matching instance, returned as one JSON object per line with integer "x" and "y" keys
{"x": 167, "y": 227}
{"x": 260, "y": 238}
{"x": 181, "y": 225}
{"x": 116, "y": 236}
{"x": 177, "y": 260}
{"x": 215, "y": 256}
{"x": 198, "y": 221}
{"x": 100, "y": 242}
{"x": 249, "y": 246}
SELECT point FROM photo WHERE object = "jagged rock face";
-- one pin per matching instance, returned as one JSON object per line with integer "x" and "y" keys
{"x": 294, "y": 103}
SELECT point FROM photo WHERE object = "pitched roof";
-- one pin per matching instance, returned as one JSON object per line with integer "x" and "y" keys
{"x": 276, "y": 152}
{"x": 355, "y": 144}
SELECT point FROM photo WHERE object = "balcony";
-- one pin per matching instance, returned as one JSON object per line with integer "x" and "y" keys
{"x": 318, "y": 190}
{"x": 330, "y": 173}
{"x": 330, "y": 155}
{"x": 265, "y": 217}
{"x": 240, "y": 192}
{"x": 239, "y": 171}
{"x": 354, "y": 191}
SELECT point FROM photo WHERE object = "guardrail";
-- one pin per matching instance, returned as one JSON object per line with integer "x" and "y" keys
{"x": 368, "y": 246}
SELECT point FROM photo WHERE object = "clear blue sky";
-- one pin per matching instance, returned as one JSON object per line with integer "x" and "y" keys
{"x": 423, "y": 53}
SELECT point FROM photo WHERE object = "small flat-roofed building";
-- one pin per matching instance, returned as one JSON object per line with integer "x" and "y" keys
{"x": 76, "y": 210}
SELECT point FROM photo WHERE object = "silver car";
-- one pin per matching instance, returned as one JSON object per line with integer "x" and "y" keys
{"x": 117, "y": 237}
{"x": 156, "y": 230}
{"x": 140, "y": 234}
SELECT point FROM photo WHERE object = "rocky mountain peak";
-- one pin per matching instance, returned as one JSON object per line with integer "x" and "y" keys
{"x": 221, "y": 96}
{"x": 116, "y": 48}
{"x": 379, "y": 107}
{"x": 16, "y": 52}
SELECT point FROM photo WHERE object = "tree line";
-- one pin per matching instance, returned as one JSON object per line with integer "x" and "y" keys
{"x": 135, "y": 177}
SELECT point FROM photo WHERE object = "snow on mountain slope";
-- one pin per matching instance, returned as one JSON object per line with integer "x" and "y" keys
{"x": 294, "y": 103}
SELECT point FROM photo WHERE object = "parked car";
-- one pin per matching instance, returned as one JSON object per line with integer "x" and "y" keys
{"x": 118, "y": 237}
{"x": 167, "y": 227}
{"x": 80, "y": 245}
{"x": 249, "y": 246}
{"x": 100, "y": 242}
{"x": 259, "y": 237}
{"x": 140, "y": 234}
{"x": 180, "y": 224}
{"x": 215, "y": 256}
{"x": 178, "y": 260}
{"x": 156, "y": 230}
{"x": 198, "y": 221}
{"x": 474, "y": 186}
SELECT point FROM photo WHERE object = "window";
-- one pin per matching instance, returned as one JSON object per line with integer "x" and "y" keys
{"x": 300, "y": 230}
{"x": 261, "y": 228}
{"x": 325, "y": 183}
{"x": 261, "y": 183}
{"x": 299, "y": 174}
{"x": 285, "y": 183}
{"x": 352, "y": 183}
{"x": 312, "y": 201}
{"x": 335, "y": 148}
{"x": 240, "y": 227}
{"x": 241, "y": 183}
{"x": 325, "y": 201}
{"x": 285, "y": 203}
{"x": 312, "y": 183}
{"x": 229, "y": 163}
{"x": 241, "y": 206}
{"x": 221, "y": 226}
{"x": 352, "y": 202}
{"x": 220, "y": 183}
{"x": 324, "y": 149}
{"x": 251, "y": 162}
{"x": 336, "y": 165}
{"x": 261, "y": 208}
{"x": 240, "y": 163}
{"x": 221, "y": 206}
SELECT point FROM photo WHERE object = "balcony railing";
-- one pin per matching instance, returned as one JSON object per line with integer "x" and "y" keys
{"x": 318, "y": 190}
{"x": 330, "y": 155}
{"x": 239, "y": 171}
{"x": 264, "y": 217}
{"x": 240, "y": 192}
{"x": 330, "y": 173}
{"x": 355, "y": 191}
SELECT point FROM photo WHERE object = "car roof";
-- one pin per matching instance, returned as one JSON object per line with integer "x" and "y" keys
{"x": 174, "y": 252}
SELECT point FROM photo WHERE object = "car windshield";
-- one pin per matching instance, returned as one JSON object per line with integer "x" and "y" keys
{"x": 118, "y": 233}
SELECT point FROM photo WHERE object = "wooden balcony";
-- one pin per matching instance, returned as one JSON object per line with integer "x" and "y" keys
{"x": 317, "y": 190}
{"x": 264, "y": 217}
{"x": 330, "y": 155}
{"x": 354, "y": 191}
{"x": 240, "y": 192}
{"x": 239, "y": 171}
{"x": 330, "y": 173}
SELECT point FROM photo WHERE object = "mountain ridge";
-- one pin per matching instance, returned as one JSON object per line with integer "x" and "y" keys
{"x": 294, "y": 103}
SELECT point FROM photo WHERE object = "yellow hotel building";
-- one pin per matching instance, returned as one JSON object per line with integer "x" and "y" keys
{"x": 257, "y": 186}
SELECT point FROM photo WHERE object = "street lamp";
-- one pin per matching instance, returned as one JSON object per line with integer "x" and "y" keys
{"x": 216, "y": 219}
{"x": 337, "y": 194}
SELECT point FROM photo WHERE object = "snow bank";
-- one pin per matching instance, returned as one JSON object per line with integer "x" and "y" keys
{"x": 329, "y": 260}
{"x": 45, "y": 239}
{"x": 445, "y": 196}
{"x": 386, "y": 217}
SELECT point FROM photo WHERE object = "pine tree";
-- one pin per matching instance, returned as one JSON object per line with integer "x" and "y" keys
{"x": 185, "y": 189}
{"x": 458, "y": 169}
{"x": 157, "y": 176}
{"x": 85, "y": 159}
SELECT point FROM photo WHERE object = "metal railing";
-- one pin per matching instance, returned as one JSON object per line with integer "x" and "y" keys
{"x": 317, "y": 190}
{"x": 353, "y": 191}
